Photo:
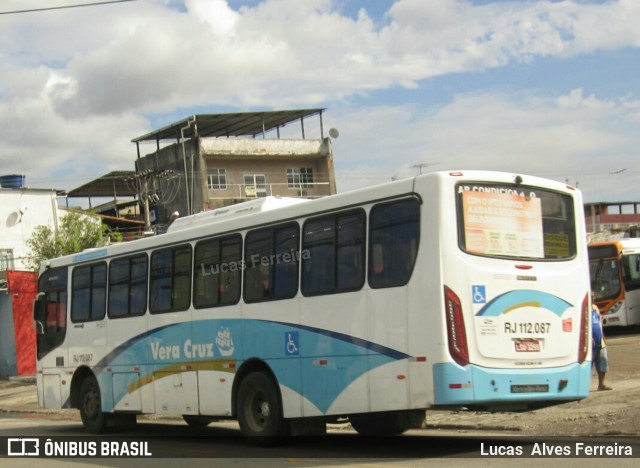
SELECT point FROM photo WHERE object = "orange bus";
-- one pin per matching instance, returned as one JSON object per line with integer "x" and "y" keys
{"x": 615, "y": 279}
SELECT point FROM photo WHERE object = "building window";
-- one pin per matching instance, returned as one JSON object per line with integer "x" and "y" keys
{"x": 217, "y": 179}
{"x": 6, "y": 259}
{"x": 299, "y": 177}
{"x": 255, "y": 185}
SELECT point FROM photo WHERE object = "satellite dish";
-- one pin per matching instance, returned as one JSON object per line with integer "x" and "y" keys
{"x": 13, "y": 219}
{"x": 334, "y": 133}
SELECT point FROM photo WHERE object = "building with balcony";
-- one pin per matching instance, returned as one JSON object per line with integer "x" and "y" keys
{"x": 215, "y": 160}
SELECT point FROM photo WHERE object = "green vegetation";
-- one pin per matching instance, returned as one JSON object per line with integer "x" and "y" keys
{"x": 77, "y": 231}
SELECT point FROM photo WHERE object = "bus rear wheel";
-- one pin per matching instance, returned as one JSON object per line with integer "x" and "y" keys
{"x": 259, "y": 410}
{"x": 93, "y": 419}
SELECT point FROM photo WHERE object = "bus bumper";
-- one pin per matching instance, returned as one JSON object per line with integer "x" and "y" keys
{"x": 476, "y": 386}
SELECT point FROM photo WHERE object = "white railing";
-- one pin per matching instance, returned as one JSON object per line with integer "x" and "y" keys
{"x": 242, "y": 191}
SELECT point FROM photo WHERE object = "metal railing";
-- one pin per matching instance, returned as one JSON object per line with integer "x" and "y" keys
{"x": 245, "y": 191}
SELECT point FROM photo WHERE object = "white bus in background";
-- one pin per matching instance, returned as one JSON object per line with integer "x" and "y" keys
{"x": 451, "y": 289}
{"x": 615, "y": 280}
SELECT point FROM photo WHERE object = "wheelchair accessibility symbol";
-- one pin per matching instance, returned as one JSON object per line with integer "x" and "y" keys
{"x": 479, "y": 294}
{"x": 291, "y": 343}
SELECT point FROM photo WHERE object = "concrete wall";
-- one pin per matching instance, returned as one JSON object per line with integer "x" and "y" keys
{"x": 21, "y": 211}
{"x": 239, "y": 157}
{"x": 263, "y": 147}
{"x": 175, "y": 191}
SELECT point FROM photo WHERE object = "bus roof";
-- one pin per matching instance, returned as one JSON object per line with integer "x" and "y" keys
{"x": 233, "y": 211}
{"x": 626, "y": 244}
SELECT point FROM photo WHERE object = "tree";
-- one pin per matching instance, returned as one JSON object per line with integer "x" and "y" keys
{"x": 77, "y": 231}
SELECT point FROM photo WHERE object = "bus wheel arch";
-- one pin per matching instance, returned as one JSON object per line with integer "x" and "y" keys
{"x": 257, "y": 404}
{"x": 80, "y": 375}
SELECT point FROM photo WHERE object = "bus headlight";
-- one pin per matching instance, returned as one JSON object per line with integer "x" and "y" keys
{"x": 615, "y": 308}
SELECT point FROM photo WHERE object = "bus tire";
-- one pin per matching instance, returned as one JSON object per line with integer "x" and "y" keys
{"x": 380, "y": 424}
{"x": 259, "y": 410}
{"x": 93, "y": 419}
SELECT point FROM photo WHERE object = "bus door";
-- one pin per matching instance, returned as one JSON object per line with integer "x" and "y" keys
{"x": 87, "y": 338}
{"x": 126, "y": 309}
{"x": 50, "y": 316}
{"x": 175, "y": 381}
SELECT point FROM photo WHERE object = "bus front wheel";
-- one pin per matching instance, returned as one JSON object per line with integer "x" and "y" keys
{"x": 93, "y": 419}
{"x": 259, "y": 410}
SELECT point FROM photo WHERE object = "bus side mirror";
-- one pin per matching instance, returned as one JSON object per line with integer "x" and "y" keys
{"x": 39, "y": 313}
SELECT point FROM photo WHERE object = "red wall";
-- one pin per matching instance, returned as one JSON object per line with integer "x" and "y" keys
{"x": 23, "y": 286}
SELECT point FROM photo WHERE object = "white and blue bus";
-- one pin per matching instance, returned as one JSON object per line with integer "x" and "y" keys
{"x": 451, "y": 289}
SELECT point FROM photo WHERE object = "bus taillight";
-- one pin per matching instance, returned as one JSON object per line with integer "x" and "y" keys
{"x": 455, "y": 328}
{"x": 583, "y": 347}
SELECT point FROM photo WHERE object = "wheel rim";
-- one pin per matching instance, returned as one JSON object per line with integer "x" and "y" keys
{"x": 258, "y": 411}
{"x": 91, "y": 405}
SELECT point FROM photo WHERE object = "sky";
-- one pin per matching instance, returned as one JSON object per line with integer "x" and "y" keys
{"x": 547, "y": 88}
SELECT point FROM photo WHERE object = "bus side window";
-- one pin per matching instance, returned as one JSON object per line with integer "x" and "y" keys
{"x": 170, "y": 289}
{"x": 394, "y": 238}
{"x": 377, "y": 258}
{"x": 56, "y": 316}
{"x": 216, "y": 272}
{"x": 271, "y": 263}
{"x": 350, "y": 253}
{"x": 631, "y": 271}
{"x": 128, "y": 286}
{"x": 318, "y": 266}
{"x": 334, "y": 253}
{"x": 89, "y": 286}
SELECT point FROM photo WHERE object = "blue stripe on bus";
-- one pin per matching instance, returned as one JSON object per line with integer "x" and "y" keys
{"x": 348, "y": 357}
{"x": 524, "y": 297}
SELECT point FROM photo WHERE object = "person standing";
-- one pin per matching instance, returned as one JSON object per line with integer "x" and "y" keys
{"x": 598, "y": 346}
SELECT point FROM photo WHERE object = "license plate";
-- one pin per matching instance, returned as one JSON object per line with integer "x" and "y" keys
{"x": 539, "y": 388}
{"x": 528, "y": 346}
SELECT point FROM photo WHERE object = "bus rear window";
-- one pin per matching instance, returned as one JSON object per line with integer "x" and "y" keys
{"x": 515, "y": 222}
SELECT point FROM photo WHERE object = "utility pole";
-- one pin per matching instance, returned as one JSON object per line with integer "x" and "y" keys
{"x": 420, "y": 166}
{"x": 146, "y": 183}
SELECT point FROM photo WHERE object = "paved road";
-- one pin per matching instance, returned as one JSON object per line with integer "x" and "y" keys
{"x": 222, "y": 444}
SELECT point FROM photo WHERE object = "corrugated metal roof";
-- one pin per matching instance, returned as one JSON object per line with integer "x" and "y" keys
{"x": 224, "y": 125}
{"x": 113, "y": 184}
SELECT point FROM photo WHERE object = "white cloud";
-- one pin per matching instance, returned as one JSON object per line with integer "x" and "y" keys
{"x": 582, "y": 139}
{"x": 216, "y": 13}
{"x": 80, "y": 88}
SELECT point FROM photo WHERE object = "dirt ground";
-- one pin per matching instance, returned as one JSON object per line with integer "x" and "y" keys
{"x": 615, "y": 412}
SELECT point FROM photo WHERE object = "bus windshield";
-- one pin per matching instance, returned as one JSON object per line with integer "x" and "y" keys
{"x": 516, "y": 222}
{"x": 605, "y": 278}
